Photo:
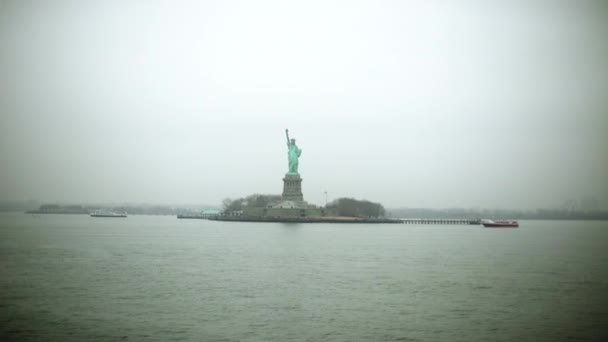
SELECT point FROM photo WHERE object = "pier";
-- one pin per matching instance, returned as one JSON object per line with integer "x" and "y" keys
{"x": 441, "y": 221}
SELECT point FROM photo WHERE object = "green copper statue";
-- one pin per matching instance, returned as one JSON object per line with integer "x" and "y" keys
{"x": 293, "y": 153}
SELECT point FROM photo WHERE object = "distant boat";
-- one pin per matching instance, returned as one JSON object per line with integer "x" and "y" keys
{"x": 106, "y": 213}
{"x": 499, "y": 224}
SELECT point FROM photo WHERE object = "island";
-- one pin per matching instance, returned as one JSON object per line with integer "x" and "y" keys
{"x": 290, "y": 206}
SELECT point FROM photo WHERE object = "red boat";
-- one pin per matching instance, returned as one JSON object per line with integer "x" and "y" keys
{"x": 499, "y": 224}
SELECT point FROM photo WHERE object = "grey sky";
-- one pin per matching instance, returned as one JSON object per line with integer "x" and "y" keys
{"x": 409, "y": 103}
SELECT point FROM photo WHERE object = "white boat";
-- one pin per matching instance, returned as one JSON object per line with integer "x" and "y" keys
{"x": 500, "y": 224}
{"x": 107, "y": 213}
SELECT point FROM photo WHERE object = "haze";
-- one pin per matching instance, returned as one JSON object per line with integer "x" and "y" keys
{"x": 408, "y": 103}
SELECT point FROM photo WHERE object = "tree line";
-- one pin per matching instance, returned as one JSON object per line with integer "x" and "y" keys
{"x": 251, "y": 201}
{"x": 340, "y": 207}
{"x": 356, "y": 208}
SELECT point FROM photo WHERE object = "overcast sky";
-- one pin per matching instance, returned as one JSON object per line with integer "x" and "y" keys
{"x": 408, "y": 103}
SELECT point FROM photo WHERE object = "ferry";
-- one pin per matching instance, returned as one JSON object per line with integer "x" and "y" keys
{"x": 106, "y": 213}
{"x": 500, "y": 223}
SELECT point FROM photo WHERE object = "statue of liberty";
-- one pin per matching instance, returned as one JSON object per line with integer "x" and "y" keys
{"x": 293, "y": 153}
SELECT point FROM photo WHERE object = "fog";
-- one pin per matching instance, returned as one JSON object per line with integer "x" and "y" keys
{"x": 408, "y": 103}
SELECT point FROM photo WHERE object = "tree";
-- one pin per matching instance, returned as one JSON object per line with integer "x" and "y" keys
{"x": 261, "y": 201}
{"x": 356, "y": 208}
{"x": 232, "y": 205}
{"x": 226, "y": 204}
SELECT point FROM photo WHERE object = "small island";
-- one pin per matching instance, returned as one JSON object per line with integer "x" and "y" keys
{"x": 290, "y": 206}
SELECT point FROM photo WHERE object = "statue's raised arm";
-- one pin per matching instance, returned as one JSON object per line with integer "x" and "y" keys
{"x": 287, "y": 135}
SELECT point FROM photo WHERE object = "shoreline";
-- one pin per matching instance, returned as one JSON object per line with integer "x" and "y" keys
{"x": 332, "y": 219}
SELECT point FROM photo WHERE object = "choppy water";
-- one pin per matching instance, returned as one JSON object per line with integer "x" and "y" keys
{"x": 146, "y": 278}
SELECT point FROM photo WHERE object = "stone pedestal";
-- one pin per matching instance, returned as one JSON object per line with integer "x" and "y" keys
{"x": 292, "y": 188}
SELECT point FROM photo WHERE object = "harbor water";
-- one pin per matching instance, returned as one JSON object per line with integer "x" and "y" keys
{"x": 157, "y": 278}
